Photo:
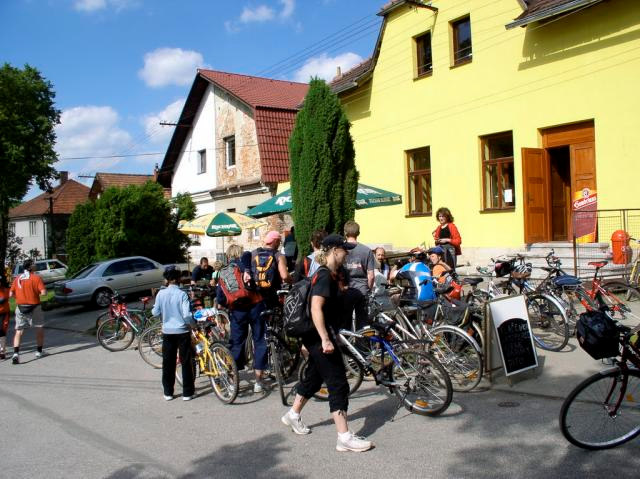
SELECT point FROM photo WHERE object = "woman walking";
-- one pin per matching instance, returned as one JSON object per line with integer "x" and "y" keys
{"x": 325, "y": 360}
{"x": 447, "y": 236}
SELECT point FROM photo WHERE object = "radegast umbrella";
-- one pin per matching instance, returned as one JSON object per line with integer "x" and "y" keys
{"x": 197, "y": 226}
{"x": 366, "y": 197}
{"x": 231, "y": 224}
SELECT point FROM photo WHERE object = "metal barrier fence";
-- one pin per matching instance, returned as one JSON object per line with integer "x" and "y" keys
{"x": 598, "y": 246}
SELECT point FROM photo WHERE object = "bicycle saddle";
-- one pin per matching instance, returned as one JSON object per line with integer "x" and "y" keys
{"x": 598, "y": 264}
{"x": 472, "y": 281}
{"x": 145, "y": 299}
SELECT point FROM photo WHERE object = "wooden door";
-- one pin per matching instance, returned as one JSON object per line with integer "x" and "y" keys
{"x": 583, "y": 167}
{"x": 535, "y": 182}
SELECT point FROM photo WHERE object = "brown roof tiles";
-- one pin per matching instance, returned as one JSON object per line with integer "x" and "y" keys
{"x": 65, "y": 199}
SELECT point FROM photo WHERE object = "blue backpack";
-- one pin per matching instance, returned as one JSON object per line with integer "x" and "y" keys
{"x": 264, "y": 269}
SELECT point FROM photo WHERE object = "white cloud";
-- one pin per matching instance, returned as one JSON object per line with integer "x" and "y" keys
{"x": 324, "y": 66}
{"x": 90, "y": 131}
{"x": 156, "y": 133}
{"x": 95, "y": 5}
{"x": 170, "y": 66}
{"x": 288, "y": 6}
{"x": 261, "y": 13}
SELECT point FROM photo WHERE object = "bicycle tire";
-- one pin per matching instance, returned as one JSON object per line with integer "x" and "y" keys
{"x": 354, "y": 372}
{"x": 549, "y": 323}
{"x": 585, "y": 420}
{"x": 460, "y": 356}
{"x": 625, "y": 297}
{"x": 150, "y": 346}
{"x": 102, "y": 318}
{"x": 577, "y": 302}
{"x": 429, "y": 391}
{"x": 225, "y": 381}
{"x": 275, "y": 355}
{"x": 115, "y": 335}
{"x": 194, "y": 364}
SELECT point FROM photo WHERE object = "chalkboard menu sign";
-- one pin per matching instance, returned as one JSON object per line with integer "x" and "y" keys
{"x": 513, "y": 331}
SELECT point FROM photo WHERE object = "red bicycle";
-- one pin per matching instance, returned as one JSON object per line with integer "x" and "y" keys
{"x": 616, "y": 298}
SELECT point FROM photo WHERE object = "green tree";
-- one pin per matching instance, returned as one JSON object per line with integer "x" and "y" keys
{"x": 136, "y": 220}
{"x": 185, "y": 207}
{"x": 27, "y": 120}
{"x": 13, "y": 252}
{"x": 324, "y": 179}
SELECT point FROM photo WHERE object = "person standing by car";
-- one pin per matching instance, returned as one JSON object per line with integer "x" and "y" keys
{"x": 173, "y": 304}
{"x": 325, "y": 360}
{"x": 360, "y": 265}
{"x": 447, "y": 236}
{"x": 5, "y": 312}
{"x": 27, "y": 289}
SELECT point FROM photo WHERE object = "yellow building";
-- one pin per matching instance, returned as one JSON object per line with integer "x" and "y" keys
{"x": 504, "y": 111}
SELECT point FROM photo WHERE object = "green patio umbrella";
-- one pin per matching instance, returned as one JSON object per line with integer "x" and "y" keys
{"x": 366, "y": 197}
{"x": 232, "y": 224}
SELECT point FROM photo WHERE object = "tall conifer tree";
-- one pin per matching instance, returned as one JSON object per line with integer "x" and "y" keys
{"x": 324, "y": 179}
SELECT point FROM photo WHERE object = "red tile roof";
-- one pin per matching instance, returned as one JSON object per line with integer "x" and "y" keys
{"x": 65, "y": 199}
{"x": 257, "y": 91}
{"x": 102, "y": 181}
{"x": 350, "y": 78}
{"x": 274, "y": 103}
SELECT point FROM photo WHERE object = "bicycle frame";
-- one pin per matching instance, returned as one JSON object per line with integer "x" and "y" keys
{"x": 597, "y": 292}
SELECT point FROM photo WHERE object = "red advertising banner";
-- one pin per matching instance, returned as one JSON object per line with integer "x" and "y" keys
{"x": 585, "y": 217}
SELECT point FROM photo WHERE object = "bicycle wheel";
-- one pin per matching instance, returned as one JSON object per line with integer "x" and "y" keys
{"x": 421, "y": 383}
{"x": 102, "y": 318}
{"x": 459, "y": 355}
{"x": 275, "y": 355}
{"x": 549, "y": 324}
{"x": 576, "y": 302}
{"x": 353, "y": 370}
{"x": 194, "y": 366}
{"x": 150, "y": 346}
{"x": 591, "y": 417}
{"x": 223, "y": 373}
{"x": 623, "y": 301}
{"x": 115, "y": 335}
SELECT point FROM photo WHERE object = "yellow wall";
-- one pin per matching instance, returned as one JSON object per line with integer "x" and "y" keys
{"x": 585, "y": 66}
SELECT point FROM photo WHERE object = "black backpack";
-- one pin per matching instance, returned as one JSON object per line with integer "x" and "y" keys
{"x": 297, "y": 307}
{"x": 598, "y": 335}
{"x": 264, "y": 268}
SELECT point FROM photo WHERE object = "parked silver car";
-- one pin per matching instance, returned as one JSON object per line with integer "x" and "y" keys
{"x": 50, "y": 270}
{"x": 97, "y": 282}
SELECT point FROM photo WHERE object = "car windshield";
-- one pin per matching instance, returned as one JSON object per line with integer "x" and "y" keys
{"x": 84, "y": 272}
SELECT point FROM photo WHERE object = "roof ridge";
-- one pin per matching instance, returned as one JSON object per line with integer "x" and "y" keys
{"x": 122, "y": 174}
{"x": 352, "y": 68}
{"x": 251, "y": 76}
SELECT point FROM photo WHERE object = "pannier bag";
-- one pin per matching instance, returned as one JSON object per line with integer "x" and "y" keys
{"x": 598, "y": 335}
{"x": 503, "y": 268}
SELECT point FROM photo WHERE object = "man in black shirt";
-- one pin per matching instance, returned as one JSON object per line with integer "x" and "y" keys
{"x": 202, "y": 271}
{"x": 325, "y": 360}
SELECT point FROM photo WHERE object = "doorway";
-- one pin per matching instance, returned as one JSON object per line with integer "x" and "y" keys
{"x": 560, "y": 186}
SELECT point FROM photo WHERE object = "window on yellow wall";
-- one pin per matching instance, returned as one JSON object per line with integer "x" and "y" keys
{"x": 497, "y": 171}
{"x": 419, "y": 181}
{"x": 461, "y": 37}
{"x": 423, "y": 50}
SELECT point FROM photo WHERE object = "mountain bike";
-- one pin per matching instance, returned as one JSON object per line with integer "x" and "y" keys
{"x": 618, "y": 299}
{"x": 116, "y": 333}
{"x": 418, "y": 380}
{"x": 140, "y": 315}
{"x": 602, "y": 411}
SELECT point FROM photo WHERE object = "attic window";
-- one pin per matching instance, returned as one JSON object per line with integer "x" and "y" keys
{"x": 202, "y": 161}
{"x": 230, "y": 151}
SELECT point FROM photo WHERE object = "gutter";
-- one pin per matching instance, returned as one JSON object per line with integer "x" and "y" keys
{"x": 550, "y": 12}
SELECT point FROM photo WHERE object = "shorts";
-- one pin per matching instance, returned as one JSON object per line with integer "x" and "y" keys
{"x": 34, "y": 319}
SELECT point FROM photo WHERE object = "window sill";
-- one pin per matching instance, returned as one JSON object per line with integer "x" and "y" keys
{"x": 423, "y": 75}
{"x": 459, "y": 63}
{"x": 498, "y": 210}
{"x": 418, "y": 215}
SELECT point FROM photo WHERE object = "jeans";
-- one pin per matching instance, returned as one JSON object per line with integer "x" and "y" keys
{"x": 327, "y": 368}
{"x": 240, "y": 322}
{"x": 172, "y": 344}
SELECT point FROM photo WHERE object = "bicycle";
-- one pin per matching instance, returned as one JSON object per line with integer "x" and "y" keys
{"x": 118, "y": 332}
{"x": 142, "y": 315}
{"x": 417, "y": 379}
{"x": 214, "y": 360}
{"x": 602, "y": 411}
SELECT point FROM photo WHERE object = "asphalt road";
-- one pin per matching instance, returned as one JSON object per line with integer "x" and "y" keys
{"x": 84, "y": 412}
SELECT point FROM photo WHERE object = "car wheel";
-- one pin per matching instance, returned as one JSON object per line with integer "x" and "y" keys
{"x": 102, "y": 298}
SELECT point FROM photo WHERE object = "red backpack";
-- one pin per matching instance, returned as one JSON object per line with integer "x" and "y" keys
{"x": 234, "y": 289}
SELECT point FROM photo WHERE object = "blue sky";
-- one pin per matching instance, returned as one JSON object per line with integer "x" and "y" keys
{"x": 118, "y": 67}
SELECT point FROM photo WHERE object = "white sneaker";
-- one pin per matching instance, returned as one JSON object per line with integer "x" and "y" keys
{"x": 39, "y": 354}
{"x": 353, "y": 443}
{"x": 187, "y": 398}
{"x": 168, "y": 398}
{"x": 296, "y": 425}
{"x": 258, "y": 387}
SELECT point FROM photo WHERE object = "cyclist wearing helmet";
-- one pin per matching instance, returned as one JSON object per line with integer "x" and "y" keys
{"x": 438, "y": 266}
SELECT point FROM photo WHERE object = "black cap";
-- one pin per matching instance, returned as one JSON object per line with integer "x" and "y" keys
{"x": 337, "y": 241}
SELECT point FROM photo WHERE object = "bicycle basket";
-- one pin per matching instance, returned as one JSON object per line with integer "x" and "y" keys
{"x": 503, "y": 268}
{"x": 598, "y": 335}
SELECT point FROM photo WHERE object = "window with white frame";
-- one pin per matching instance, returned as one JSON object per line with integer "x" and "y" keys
{"x": 33, "y": 228}
{"x": 230, "y": 151}
{"x": 202, "y": 161}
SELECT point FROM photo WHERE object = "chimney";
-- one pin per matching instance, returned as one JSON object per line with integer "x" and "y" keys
{"x": 64, "y": 177}
{"x": 338, "y": 72}
{"x": 156, "y": 170}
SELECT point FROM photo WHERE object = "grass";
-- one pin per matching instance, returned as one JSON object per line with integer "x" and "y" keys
{"x": 47, "y": 298}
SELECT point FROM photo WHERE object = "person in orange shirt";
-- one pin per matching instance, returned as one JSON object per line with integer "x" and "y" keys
{"x": 4, "y": 314}
{"x": 27, "y": 289}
